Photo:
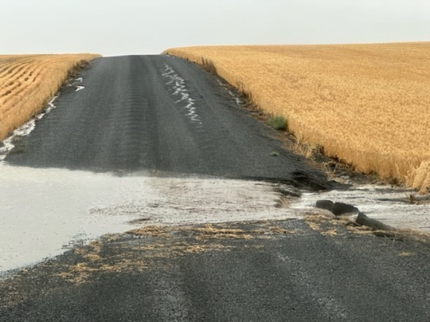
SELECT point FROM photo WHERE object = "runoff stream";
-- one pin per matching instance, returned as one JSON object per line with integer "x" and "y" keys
{"x": 44, "y": 212}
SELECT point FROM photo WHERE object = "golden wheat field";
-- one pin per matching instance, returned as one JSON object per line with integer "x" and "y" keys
{"x": 368, "y": 105}
{"x": 28, "y": 82}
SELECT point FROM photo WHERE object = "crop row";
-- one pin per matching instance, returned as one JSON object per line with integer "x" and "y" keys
{"x": 28, "y": 82}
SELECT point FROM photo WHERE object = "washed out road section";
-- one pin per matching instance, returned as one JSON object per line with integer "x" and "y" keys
{"x": 157, "y": 113}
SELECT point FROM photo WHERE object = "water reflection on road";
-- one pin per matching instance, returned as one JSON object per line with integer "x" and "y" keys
{"x": 45, "y": 211}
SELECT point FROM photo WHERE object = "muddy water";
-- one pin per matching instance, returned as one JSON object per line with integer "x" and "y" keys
{"x": 399, "y": 208}
{"x": 43, "y": 212}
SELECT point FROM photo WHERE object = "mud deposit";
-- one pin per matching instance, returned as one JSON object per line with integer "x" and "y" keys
{"x": 44, "y": 212}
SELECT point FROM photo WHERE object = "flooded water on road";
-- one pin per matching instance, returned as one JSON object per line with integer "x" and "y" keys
{"x": 396, "y": 207}
{"x": 43, "y": 212}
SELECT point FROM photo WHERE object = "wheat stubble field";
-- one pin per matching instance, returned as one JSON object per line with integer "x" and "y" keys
{"x": 28, "y": 82}
{"x": 367, "y": 105}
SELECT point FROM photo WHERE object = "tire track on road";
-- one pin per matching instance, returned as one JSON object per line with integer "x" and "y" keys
{"x": 140, "y": 113}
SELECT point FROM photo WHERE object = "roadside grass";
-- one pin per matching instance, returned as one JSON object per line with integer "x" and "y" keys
{"x": 278, "y": 122}
{"x": 28, "y": 82}
{"x": 365, "y": 105}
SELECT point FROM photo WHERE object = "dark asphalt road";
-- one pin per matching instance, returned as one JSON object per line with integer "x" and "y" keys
{"x": 158, "y": 113}
{"x": 162, "y": 113}
{"x": 279, "y": 271}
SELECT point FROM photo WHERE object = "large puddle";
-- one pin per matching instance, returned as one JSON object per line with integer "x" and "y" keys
{"x": 43, "y": 212}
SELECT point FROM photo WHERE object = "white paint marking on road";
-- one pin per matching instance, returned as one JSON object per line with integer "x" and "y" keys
{"x": 24, "y": 130}
{"x": 75, "y": 82}
{"x": 235, "y": 96}
{"x": 29, "y": 126}
{"x": 177, "y": 86}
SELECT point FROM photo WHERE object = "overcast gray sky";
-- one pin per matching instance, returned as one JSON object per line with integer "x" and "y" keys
{"x": 120, "y": 27}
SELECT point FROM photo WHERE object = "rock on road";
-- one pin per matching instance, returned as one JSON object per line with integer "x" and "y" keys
{"x": 166, "y": 115}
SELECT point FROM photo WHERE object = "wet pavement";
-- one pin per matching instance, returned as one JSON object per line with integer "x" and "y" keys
{"x": 168, "y": 201}
{"x": 397, "y": 207}
{"x": 296, "y": 270}
{"x": 44, "y": 212}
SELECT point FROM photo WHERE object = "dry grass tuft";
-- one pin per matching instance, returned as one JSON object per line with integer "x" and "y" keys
{"x": 209, "y": 231}
{"x": 160, "y": 242}
{"x": 153, "y": 231}
{"x": 330, "y": 232}
{"x": 28, "y": 82}
{"x": 206, "y": 232}
{"x": 313, "y": 225}
{"x": 281, "y": 231}
{"x": 366, "y": 105}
